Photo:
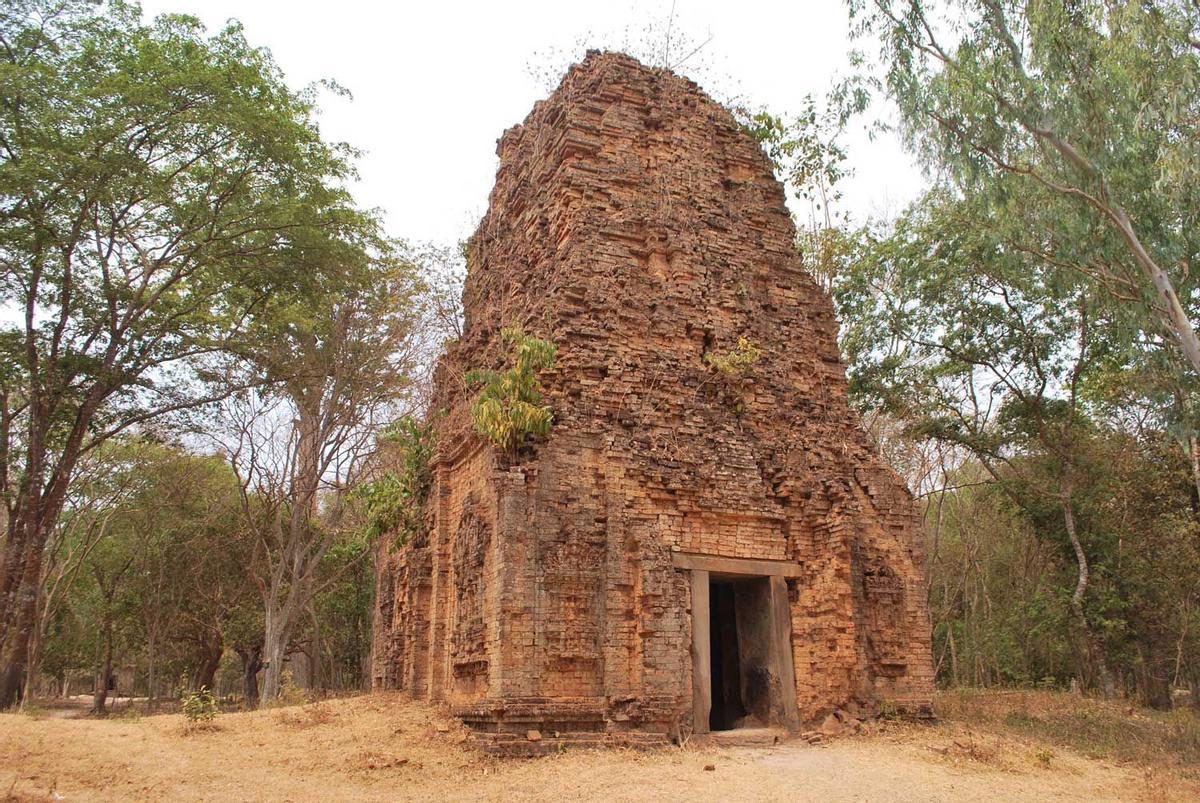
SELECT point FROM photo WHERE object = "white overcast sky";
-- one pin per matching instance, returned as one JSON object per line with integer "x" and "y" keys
{"x": 435, "y": 83}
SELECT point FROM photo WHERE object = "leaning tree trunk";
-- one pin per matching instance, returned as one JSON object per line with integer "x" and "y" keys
{"x": 22, "y": 570}
{"x": 40, "y": 506}
{"x": 1093, "y": 649}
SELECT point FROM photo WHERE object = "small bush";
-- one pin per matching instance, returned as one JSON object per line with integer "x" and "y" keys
{"x": 509, "y": 410}
{"x": 200, "y": 707}
{"x": 736, "y": 363}
{"x": 888, "y": 711}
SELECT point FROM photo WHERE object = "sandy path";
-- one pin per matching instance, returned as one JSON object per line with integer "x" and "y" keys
{"x": 384, "y": 748}
{"x": 848, "y": 770}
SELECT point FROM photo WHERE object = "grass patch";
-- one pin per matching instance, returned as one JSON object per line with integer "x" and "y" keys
{"x": 306, "y": 716}
{"x": 1096, "y": 728}
{"x": 34, "y": 710}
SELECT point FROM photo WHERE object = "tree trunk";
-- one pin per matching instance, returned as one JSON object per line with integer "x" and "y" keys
{"x": 210, "y": 660}
{"x": 21, "y": 613}
{"x": 274, "y": 648}
{"x": 251, "y": 664}
{"x": 12, "y": 679}
{"x": 1093, "y": 650}
{"x": 105, "y": 673}
{"x": 953, "y": 655}
{"x": 275, "y": 644}
{"x": 296, "y": 562}
{"x": 314, "y": 661}
{"x": 21, "y": 574}
{"x": 33, "y": 665}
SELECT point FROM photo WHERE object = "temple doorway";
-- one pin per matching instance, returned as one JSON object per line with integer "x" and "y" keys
{"x": 742, "y": 666}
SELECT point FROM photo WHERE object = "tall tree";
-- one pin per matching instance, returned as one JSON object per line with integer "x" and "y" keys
{"x": 1078, "y": 117}
{"x": 153, "y": 182}
{"x": 334, "y": 357}
{"x": 985, "y": 347}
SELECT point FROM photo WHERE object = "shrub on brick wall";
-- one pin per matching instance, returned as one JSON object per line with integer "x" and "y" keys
{"x": 509, "y": 410}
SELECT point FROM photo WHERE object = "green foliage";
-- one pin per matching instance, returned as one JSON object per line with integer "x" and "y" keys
{"x": 508, "y": 409}
{"x": 1070, "y": 129}
{"x": 157, "y": 529}
{"x": 808, "y": 156}
{"x": 804, "y": 149}
{"x": 738, "y": 361}
{"x": 200, "y": 707}
{"x": 343, "y": 611}
{"x": 1014, "y": 318}
{"x": 395, "y": 501}
{"x": 159, "y": 185}
{"x": 1001, "y": 569}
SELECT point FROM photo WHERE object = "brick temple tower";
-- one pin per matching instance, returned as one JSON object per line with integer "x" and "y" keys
{"x": 686, "y": 549}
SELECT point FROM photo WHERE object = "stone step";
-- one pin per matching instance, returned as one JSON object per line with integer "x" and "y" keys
{"x": 747, "y": 737}
{"x": 521, "y": 745}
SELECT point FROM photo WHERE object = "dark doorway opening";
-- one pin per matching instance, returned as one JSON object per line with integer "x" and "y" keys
{"x": 727, "y": 706}
{"x": 742, "y": 663}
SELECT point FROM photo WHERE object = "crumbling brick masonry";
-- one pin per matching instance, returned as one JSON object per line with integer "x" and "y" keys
{"x": 688, "y": 549}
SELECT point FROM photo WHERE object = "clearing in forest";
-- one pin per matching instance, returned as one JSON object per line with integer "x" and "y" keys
{"x": 384, "y": 747}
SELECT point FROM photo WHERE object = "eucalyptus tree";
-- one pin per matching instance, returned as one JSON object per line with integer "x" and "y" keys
{"x": 153, "y": 182}
{"x": 1066, "y": 132}
{"x": 1075, "y": 118}
{"x": 988, "y": 348}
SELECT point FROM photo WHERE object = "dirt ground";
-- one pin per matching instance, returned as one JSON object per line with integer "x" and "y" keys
{"x": 384, "y": 747}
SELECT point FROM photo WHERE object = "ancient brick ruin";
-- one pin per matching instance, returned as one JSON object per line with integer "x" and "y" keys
{"x": 689, "y": 549}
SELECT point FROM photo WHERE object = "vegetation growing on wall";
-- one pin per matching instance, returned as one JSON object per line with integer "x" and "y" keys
{"x": 508, "y": 410}
{"x": 737, "y": 362}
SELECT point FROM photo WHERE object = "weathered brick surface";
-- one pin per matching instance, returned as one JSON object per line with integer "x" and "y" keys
{"x": 639, "y": 228}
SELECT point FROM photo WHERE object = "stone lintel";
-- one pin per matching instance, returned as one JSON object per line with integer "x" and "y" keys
{"x": 717, "y": 564}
